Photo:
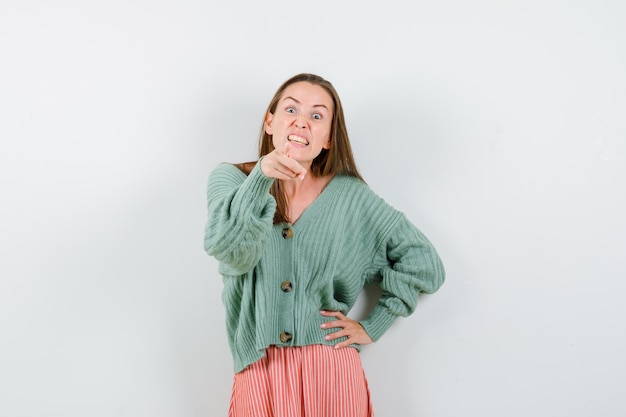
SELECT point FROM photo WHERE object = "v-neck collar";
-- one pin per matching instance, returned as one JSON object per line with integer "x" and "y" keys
{"x": 320, "y": 201}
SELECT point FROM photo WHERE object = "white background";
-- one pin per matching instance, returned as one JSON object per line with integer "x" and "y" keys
{"x": 498, "y": 127}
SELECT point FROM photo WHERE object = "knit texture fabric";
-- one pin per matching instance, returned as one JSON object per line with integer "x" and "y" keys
{"x": 277, "y": 278}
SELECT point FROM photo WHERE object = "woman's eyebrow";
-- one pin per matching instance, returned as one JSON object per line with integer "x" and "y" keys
{"x": 298, "y": 102}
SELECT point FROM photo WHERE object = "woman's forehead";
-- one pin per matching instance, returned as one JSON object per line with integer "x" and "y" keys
{"x": 308, "y": 94}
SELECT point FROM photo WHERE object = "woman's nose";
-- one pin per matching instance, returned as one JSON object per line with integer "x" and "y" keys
{"x": 300, "y": 122}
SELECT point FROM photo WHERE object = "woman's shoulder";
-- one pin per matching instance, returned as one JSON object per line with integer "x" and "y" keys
{"x": 361, "y": 196}
{"x": 357, "y": 187}
{"x": 368, "y": 211}
{"x": 351, "y": 181}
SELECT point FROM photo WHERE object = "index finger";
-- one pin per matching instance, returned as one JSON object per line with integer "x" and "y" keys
{"x": 283, "y": 149}
{"x": 298, "y": 169}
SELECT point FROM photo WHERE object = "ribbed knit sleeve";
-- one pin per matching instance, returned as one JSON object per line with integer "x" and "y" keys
{"x": 240, "y": 214}
{"x": 406, "y": 265}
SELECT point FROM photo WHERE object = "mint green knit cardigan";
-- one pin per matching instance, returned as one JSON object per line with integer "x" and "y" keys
{"x": 348, "y": 237}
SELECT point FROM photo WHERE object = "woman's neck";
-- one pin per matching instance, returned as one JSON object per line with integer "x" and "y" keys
{"x": 300, "y": 194}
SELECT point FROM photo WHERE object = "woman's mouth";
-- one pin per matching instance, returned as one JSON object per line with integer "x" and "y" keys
{"x": 297, "y": 139}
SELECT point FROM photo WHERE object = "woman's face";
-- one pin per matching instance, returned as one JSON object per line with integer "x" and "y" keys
{"x": 300, "y": 125}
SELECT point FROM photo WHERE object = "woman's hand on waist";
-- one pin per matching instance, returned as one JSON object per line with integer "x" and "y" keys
{"x": 351, "y": 329}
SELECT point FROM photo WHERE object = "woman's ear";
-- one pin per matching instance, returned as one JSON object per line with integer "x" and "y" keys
{"x": 268, "y": 123}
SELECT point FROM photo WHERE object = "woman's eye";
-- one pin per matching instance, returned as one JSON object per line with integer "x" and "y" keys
{"x": 290, "y": 110}
{"x": 317, "y": 116}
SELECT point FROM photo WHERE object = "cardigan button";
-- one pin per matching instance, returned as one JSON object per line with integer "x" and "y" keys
{"x": 286, "y": 286}
{"x": 287, "y": 232}
{"x": 285, "y": 337}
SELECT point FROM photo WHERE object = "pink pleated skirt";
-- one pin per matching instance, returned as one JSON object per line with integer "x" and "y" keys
{"x": 304, "y": 381}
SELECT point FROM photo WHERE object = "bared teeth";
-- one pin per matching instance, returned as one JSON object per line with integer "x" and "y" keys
{"x": 297, "y": 139}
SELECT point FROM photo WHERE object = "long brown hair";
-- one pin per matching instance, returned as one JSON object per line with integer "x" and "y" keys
{"x": 338, "y": 159}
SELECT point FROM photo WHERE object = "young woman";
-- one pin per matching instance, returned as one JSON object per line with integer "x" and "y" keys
{"x": 298, "y": 234}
